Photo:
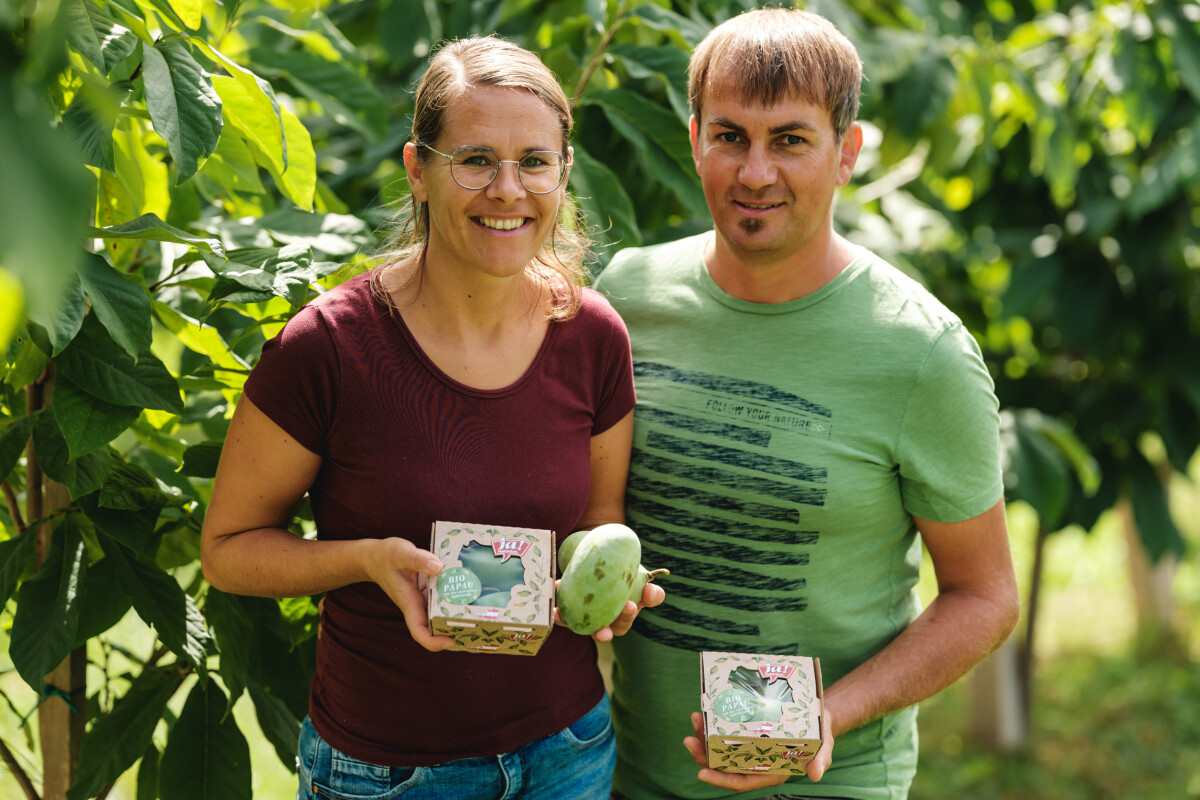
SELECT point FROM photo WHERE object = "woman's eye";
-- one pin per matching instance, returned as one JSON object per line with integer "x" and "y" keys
{"x": 477, "y": 161}
{"x": 533, "y": 162}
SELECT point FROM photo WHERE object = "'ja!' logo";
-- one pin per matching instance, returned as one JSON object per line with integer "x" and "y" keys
{"x": 507, "y": 548}
{"x": 773, "y": 672}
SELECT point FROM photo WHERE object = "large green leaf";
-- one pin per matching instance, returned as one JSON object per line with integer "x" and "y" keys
{"x": 235, "y": 634}
{"x": 106, "y": 602}
{"x": 12, "y": 443}
{"x": 337, "y": 235}
{"x": 232, "y": 165}
{"x": 99, "y": 37}
{"x": 921, "y": 95}
{"x": 663, "y": 19}
{"x": 1151, "y": 511}
{"x": 285, "y": 272}
{"x": 346, "y": 95}
{"x": 277, "y": 722}
{"x": 94, "y": 360}
{"x": 131, "y": 488}
{"x": 606, "y": 206}
{"x": 147, "y": 777}
{"x": 87, "y": 422}
{"x": 658, "y": 138}
{"x": 299, "y": 181}
{"x": 207, "y": 757}
{"x": 132, "y": 528}
{"x": 200, "y": 460}
{"x": 161, "y": 602}
{"x": 90, "y": 120}
{"x": 1035, "y": 470}
{"x": 15, "y": 555}
{"x": 47, "y": 615}
{"x": 256, "y": 115}
{"x": 122, "y": 305}
{"x": 61, "y": 323}
{"x": 81, "y": 476}
{"x": 183, "y": 105}
{"x": 150, "y": 227}
{"x": 117, "y": 739}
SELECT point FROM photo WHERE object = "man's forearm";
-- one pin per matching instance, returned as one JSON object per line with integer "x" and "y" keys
{"x": 955, "y": 632}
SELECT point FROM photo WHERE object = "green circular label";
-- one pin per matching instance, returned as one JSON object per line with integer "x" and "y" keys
{"x": 735, "y": 705}
{"x": 459, "y": 585}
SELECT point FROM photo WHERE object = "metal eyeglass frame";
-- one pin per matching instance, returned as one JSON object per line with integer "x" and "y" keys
{"x": 496, "y": 171}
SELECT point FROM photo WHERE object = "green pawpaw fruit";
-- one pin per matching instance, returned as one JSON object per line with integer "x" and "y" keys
{"x": 566, "y": 551}
{"x": 493, "y": 571}
{"x": 599, "y": 577}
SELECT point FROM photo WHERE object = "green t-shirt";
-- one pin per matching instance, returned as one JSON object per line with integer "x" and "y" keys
{"x": 779, "y": 453}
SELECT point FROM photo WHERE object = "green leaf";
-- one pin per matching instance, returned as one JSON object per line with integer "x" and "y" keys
{"x": 235, "y": 634}
{"x": 184, "y": 107}
{"x": 15, "y": 555}
{"x": 12, "y": 443}
{"x": 94, "y": 360}
{"x": 90, "y": 120}
{"x": 1185, "y": 44}
{"x": 189, "y": 11}
{"x": 299, "y": 181}
{"x": 256, "y": 115}
{"x": 122, "y": 305}
{"x": 161, "y": 602}
{"x": 63, "y": 322}
{"x": 204, "y": 340}
{"x": 345, "y": 94}
{"x": 131, "y": 488}
{"x": 658, "y": 138}
{"x": 134, "y": 529}
{"x": 147, "y": 777}
{"x": 106, "y": 602}
{"x": 116, "y": 740}
{"x": 663, "y": 19}
{"x": 277, "y": 722}
{"x": 207, "y": 757}
{"x": 922, "y": 94}
{"x": 47, "y": 615}
{"x": 81, "y": 476}
{"x": 1034, "y": 468}
{"x": 606, "y": 206}
{"x": 87, "y": 422}
{"x": 99, "y": 37}
{"x": 286, "y": 272}
{"x": 232, "y": 165}
{"x": 31, "y": 360}
{"x": 1151, "y": 511}
{"x": 200, "y": 460}
{"x": 150, "y": 228}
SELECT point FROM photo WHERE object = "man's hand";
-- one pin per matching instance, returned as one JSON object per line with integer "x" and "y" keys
{"x": 651, "y": 596}
{"x": 735, "y": 782}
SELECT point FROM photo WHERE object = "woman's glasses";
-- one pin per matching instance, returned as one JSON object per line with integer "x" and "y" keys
{"x": 475, "y": 167}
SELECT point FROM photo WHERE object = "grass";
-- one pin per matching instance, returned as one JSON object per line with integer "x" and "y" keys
{"x": 1113, "y": 717}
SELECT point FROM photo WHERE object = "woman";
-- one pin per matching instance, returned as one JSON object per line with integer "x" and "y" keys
{"x": 469, "y": 379}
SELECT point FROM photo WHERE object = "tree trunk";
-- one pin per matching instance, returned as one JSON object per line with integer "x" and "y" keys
{"x": 62, "y": 719}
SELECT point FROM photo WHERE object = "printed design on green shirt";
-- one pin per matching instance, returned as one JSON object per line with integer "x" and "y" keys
{"x": 708, "y": 494}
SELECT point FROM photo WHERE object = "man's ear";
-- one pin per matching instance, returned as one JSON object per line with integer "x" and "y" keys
{"x": 416, "y": 176}
{"x": 852, "y": 141}
{"x": 694, "y": 136}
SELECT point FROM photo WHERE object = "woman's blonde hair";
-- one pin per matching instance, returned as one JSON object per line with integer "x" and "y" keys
{"x": 455, "y": 69}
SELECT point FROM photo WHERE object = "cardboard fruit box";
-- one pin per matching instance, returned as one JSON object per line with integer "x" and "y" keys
{"x": 762, "y": 713}
{"x": 496, "y": 592}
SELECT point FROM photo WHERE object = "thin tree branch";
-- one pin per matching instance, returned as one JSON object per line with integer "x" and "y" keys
{"x": 622, "y": 10}
{"x": 14, "y": 507}
{"x": 19, "y": 774}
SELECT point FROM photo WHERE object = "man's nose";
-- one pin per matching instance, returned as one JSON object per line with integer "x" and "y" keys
{"x": 758, "y": 170}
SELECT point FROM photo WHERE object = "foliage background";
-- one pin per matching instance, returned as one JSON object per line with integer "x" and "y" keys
{"x": 190, "y": 172}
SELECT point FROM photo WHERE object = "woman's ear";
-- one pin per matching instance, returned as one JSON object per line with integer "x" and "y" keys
{"x": 416, "y": 175}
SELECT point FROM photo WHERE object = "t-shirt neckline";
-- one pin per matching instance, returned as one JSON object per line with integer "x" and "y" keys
{"x": 389, "y": 310}
{"x": 714, "y": 290}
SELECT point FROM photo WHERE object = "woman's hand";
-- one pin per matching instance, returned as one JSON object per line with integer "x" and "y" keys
{"x": 398, "y": 567}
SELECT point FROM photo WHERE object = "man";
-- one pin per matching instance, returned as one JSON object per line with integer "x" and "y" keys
{"x": 804, "y": 409}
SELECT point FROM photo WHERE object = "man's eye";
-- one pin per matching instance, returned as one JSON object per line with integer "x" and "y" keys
{"x": 728, "y": 137}
{"x": 792, "y": 138}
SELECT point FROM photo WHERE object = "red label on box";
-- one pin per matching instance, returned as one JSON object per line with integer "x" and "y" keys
{"x": 774, "y": 672}
{"x": 507, "y": 548}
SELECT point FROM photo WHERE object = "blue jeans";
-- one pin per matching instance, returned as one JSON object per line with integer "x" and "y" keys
{"x": 574, "y": 764}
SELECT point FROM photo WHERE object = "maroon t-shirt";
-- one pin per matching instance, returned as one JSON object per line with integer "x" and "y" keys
{"x": 403, "y": 445}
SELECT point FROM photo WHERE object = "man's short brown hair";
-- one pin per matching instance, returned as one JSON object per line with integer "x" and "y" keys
{"x": 771, "y": 54}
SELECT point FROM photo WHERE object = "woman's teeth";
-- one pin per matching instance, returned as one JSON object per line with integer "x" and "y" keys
{"x": 501, "y": 224}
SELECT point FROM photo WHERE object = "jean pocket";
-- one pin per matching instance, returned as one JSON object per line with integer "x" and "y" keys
{"x": 592, "y": 727}
{"x": 332, "y": 775}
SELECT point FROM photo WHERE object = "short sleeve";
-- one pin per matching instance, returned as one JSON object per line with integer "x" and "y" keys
{"x": 949, "y": 447}
{"x": 616, "y": 393}
{"x": 295, "y": 381}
